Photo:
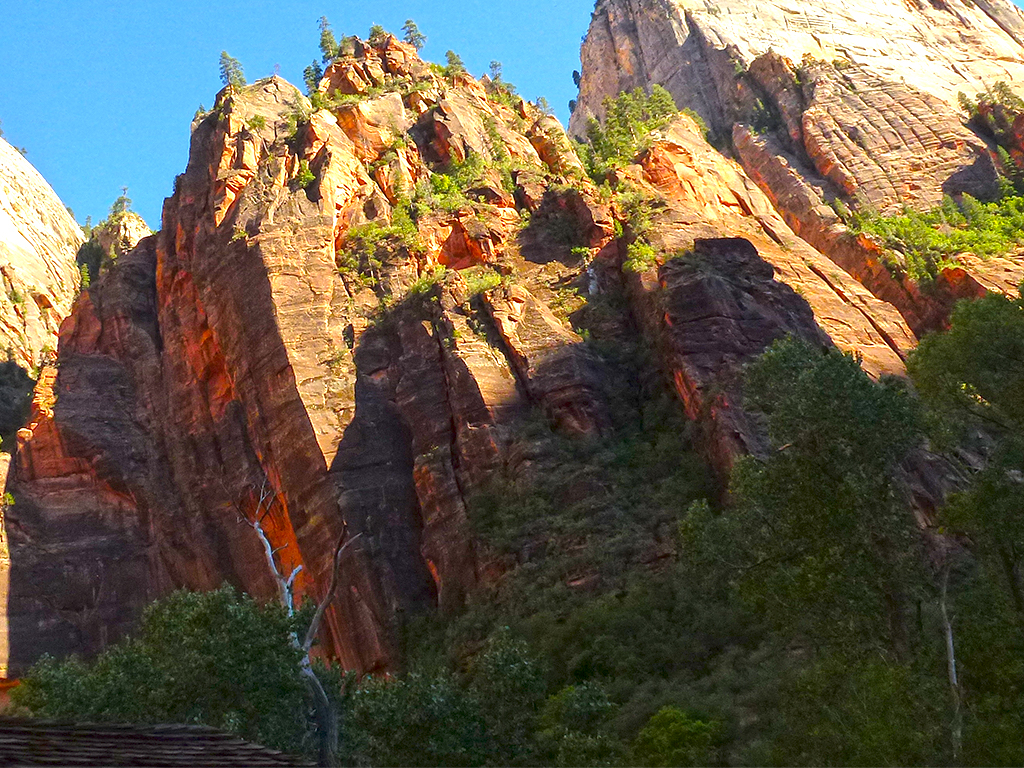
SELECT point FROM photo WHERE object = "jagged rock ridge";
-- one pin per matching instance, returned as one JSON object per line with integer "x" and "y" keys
{"x": 288, "y": 333}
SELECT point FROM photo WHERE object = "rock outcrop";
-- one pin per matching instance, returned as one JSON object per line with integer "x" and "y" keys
{"x": 694, "y": 48}
{"x": 38, "y": 242}
{"x": 278, "y": 341}
{"x": 355, "y": 317}
{"x": 733, "y": 278}
{"x": 827, "y": 109}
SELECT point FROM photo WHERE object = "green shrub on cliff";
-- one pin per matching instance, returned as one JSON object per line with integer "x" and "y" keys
{"x": 629, "y": 119}
{"x": 929, "y": 241}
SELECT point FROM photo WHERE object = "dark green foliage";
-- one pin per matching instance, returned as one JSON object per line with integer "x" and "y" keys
{"x": 329, "y": 49}
{"x": 231, "y": 72}
{"x": 575, "y": 728}
{"x": 412, "y": 35}
{"x": 311, "y": 76}
{"x": 869, "y": 711}
{"x": 416, "y": 720}
{"x": 766, "y": 118}
{"x": 83, "y": 272}
{"x": 630, "y": 117}
{"x": 215, "y": 658}
{"x": 673, "y": 738}
{"x": 817, "y": 540}
{"x": 929, "y": 241}
{"x": 972, "y": 377}
{"x": 377, "y": 34}
{"x": 488, "y": 716}
{"x": 975, "y": 372}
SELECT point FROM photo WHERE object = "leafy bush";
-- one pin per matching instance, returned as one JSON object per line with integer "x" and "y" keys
{"x": 481, "y": 279}
{"x": 929, "y": 241}
{"x": 216, "y": 658}
{"x": 304, "y": 177}
{"x": 673, "y": 738}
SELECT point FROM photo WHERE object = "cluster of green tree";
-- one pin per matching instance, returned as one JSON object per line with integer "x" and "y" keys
{"x": 331, "y": 48}
{"x": 630, "y": 117}
{"x": 922, "y": 243}
{"x": 992, "y": 113}
{"x": 91, "y": 258}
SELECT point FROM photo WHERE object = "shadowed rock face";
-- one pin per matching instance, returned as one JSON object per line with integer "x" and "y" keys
{"x": 258, "y": 347}
{"x": 823, "y": 105}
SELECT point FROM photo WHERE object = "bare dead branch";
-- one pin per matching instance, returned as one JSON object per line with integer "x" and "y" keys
{"x": 314, "y": 625}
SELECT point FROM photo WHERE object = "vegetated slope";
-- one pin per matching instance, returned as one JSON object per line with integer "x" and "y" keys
{"x": 373, "y": 310}
{"x": 832, "y": 111}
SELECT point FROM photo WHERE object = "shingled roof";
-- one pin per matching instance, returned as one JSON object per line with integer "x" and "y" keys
{"x": 41, "y": 742}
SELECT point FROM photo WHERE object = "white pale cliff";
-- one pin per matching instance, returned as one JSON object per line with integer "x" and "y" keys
{"x": 941, "y": 47}
{"x": 38, "y": 276}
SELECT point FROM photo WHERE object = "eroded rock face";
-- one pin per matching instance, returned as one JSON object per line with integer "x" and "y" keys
{"x": 732, "y": 278}
{"x": 288, "y": 343}
{"x": 851, "y": 108}
{"x": 38, "y": 242}
{"x": 244, "y": 354}
{"x": 938, "y": 48}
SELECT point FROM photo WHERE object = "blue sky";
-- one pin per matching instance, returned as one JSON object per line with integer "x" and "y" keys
{"x": 101, "y": 94}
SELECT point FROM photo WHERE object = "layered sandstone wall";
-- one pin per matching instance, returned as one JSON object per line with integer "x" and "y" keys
{"x": 828, "y": 108}
{"x": 38, "y": 242}
{"x": 285, "y": 339}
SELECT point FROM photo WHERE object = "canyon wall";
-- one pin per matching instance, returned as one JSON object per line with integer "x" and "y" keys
{"x": 830, "y": 110}
{"x": 38, "y": 242}
{"x": 357, "y": 312}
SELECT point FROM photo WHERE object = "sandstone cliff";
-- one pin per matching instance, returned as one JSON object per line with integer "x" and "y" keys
{"x": 38, "y": 242}
{"x": 829, "y": 108}
{"x": 361, "y": 311}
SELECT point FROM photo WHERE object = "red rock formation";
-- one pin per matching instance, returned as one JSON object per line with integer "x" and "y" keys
{"x": 288, "y": 334}
{"x": 229, "y": 355}
{"x": 861, "y": 120}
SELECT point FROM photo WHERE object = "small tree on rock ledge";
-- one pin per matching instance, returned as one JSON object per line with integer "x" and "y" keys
{"x": 231, "y": 72}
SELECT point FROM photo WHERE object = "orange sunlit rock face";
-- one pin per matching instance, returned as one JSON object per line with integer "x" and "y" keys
{"x": 357, "y": 319}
